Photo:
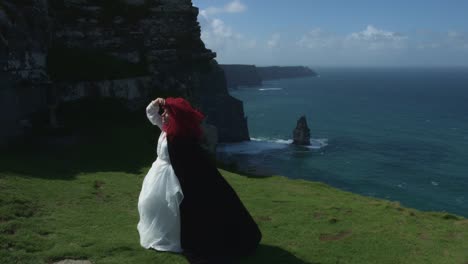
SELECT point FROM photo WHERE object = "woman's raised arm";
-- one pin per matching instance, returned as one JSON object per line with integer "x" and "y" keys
{"x": 152, "y": 112}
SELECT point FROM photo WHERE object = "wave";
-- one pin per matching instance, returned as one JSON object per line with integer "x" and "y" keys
{"x": 258, "y": 145}
{"x": 318, "y": 143}
{"x": 279, "y": 141}
{"x": 315, "y": 143}
{"x": 255, "y": 146}
{"x": 270, "y": 89}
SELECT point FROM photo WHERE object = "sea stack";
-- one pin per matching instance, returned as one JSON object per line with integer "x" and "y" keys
{"x": 301, "y": 134}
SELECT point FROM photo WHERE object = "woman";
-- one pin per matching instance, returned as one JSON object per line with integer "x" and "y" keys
{"x": 215, "y": 227}
{"x": 160, "y": 195}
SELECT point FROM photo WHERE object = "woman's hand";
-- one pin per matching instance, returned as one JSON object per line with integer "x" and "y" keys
{"x": 160, "y": 101}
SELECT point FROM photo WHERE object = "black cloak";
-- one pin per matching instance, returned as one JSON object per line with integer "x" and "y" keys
{"x": 215, "y": 224}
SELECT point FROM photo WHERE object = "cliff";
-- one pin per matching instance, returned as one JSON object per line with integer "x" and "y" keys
{"x": 241, "y": 75}
{"x": 24, "y": 39}
{"x": 63, "y": 50}
{"x": 238, "y": 75}
{"x": 283, "y": 72}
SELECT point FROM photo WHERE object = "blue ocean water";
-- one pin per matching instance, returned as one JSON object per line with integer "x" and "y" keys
{"x": 394, "y": 133}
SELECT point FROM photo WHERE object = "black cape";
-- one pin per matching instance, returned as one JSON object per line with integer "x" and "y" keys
{"x": 214, "y": 222}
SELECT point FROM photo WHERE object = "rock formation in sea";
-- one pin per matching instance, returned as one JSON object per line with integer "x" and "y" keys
{"x": 301, "y": 134}
{"x": 62, "y": 50}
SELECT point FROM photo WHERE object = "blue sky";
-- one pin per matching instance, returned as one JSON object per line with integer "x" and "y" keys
{"x": 336, "y": 33}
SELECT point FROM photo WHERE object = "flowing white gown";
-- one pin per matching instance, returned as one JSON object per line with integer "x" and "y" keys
{"x": 160, "y": 197}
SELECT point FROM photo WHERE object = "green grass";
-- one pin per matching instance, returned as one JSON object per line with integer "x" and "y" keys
{"x": 81, "y": 203}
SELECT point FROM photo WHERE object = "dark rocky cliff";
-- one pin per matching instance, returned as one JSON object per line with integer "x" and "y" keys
{"x": 238, "y": 75}
{"x": 130, "y": 49}
{"x": 24, "y": 40}
{"x": 301, "y": 134}
{"x": 241, "y": 75}
{"x": 283, "y": 72}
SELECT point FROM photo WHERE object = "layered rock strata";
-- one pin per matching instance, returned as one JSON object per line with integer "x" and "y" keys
{"x": 133, "y": 49}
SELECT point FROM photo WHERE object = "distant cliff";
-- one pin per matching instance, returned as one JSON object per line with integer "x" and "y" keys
{"x": 241, "y": 75}
{"x": 238, "y": 75}
{"x": 284, "y": 72}
{"x": 54, "y": 51}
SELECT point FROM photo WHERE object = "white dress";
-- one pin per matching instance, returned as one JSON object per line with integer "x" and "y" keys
{"x": 160, "y": 197}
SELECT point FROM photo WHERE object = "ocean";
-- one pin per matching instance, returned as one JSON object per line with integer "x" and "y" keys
{"x": 395, "y": 133}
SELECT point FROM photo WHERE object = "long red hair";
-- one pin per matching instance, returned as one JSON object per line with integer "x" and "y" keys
{"x": 184, "y": 120}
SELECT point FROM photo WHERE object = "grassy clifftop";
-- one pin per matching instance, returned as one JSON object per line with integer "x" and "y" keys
{"x": 57, "y": 204}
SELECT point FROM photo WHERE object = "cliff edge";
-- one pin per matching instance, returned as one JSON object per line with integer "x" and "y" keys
{"x": 62, "y": 50}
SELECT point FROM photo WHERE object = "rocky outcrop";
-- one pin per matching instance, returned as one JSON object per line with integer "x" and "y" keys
{"x": 277, "y": 72}
{"x": 24, "y": 39}
{"x": 238, "y": 75}
{"x": 301, "y": 134}
{"x": 131, "y": 49}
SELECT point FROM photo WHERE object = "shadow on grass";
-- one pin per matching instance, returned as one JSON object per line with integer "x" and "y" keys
{"x": 234, "y": 168}
{"x": 272, "y": 254}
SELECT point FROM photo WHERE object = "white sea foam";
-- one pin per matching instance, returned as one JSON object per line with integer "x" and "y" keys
{"x": 258, "y": 145}
{"x": 434, "y": 183}
{"x": 318, "y": 143}
{"x": 402, "y": 185}
{"x": 279, "y": 141}
{"x": 270, "y": 89}
{"x": 250, "y": 147}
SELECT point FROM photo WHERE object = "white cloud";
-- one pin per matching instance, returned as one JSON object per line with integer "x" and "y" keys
{"x": 370, "y": 38}
{"x": 372, "y": 34}
{"x": 428, "y": 45}
{"x": 274, "y": 40}
{"x": 318, "y": 39}
{"x": 449, "y": 40}
{"x": 220, "y": 29}
{"x": 458, "y": 39}
{"x": 233, "y": 7}
{"x": 250, "y": 44}
{"x": 221, "y": 37}
{"x": 216, "y": 34}
{"x": 376, "y": 39}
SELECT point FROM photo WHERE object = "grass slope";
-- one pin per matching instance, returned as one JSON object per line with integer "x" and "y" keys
{"x": 81, "y": 203}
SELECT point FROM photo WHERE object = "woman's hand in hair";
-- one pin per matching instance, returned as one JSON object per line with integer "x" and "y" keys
{"x": 160, "y": 101}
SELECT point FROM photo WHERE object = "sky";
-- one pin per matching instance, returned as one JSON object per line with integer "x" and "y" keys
{"x": 336, "y": 33}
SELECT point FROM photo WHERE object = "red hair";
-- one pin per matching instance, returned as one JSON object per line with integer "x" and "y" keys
{"x": 184, "y": 121}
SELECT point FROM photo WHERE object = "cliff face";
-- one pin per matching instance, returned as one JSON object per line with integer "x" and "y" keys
{"x": 131, "y": 49}
{"x": 250, "y": 75}
{"x": 24, "y": 38}
{"x": 277, "y": 72}
{"x": 241, "y": 75}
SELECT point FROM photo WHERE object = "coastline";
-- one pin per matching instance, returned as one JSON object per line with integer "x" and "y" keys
{"x": 84, "y": 207}
{"x": 256, "y": 158}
